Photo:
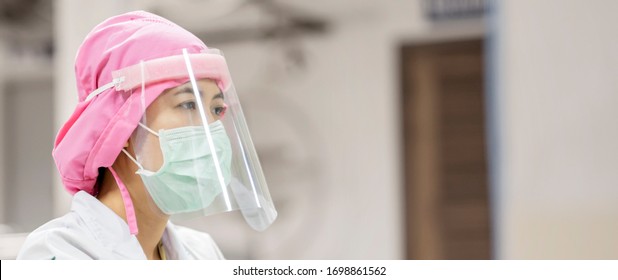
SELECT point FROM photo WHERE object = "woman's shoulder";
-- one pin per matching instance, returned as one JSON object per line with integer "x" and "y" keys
{"x": 60, "y": 238}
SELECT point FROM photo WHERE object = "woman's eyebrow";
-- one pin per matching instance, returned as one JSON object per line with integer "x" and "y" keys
{"x": 188, "y": 90}
{"x": 218, "y": 95}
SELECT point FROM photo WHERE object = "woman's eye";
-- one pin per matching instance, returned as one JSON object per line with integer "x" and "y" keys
{"x": 189, "y": 105}
{"x": 219, "y": 111}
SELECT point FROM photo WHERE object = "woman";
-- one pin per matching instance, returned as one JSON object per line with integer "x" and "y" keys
{"x": 158, "y": 132}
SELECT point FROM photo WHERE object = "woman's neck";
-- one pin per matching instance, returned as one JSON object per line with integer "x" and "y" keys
{"x": 151, "y": 224}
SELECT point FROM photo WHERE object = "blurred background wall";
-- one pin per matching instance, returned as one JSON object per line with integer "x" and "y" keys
{"x": 555, "y": 120}
{"x": 354, "y": 171}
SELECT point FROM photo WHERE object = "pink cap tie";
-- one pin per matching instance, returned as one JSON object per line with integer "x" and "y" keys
{"x": 128, "y": 203}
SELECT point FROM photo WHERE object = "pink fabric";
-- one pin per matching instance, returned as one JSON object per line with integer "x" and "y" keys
{"x": 204, "y": 65}
{"x": 128, "y": 203}
{"x": 98, "y": 129}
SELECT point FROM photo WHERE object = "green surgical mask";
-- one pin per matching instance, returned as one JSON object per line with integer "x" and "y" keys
{"x": 188, "y": 180}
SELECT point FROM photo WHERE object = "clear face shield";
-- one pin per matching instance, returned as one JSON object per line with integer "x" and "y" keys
{"x": 192, "y": 146}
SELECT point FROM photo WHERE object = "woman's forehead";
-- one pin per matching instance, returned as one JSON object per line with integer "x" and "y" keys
{"x": 204, "y": 86}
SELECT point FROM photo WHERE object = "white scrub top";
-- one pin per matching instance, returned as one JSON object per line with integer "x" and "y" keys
{"x": 93, "y": 231}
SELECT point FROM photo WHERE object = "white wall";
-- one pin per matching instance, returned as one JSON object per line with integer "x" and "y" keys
{"x": 557, "y": 98}
{"x": 25, "y": 126}
{"x": 3, "y": 61}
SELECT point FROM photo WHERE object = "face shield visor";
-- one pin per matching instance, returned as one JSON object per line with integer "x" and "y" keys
{"x": 192, "y": 146}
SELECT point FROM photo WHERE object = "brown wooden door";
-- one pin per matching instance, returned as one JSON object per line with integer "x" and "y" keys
{"x": 447, "y": 210}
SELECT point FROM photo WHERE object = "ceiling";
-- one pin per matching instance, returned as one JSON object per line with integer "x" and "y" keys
{"x": 204, "y": 15}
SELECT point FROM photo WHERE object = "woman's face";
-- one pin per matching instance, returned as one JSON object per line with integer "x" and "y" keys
{"x": 177, "y": 107}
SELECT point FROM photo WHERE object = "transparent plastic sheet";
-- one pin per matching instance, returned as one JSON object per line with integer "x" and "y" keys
{"x": 193, "y": 146}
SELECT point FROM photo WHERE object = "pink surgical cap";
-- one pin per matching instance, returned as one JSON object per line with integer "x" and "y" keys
{"x": 98, "y": 129}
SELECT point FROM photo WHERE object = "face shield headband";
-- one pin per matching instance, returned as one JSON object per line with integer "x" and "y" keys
{"x": 205, "y": 65}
